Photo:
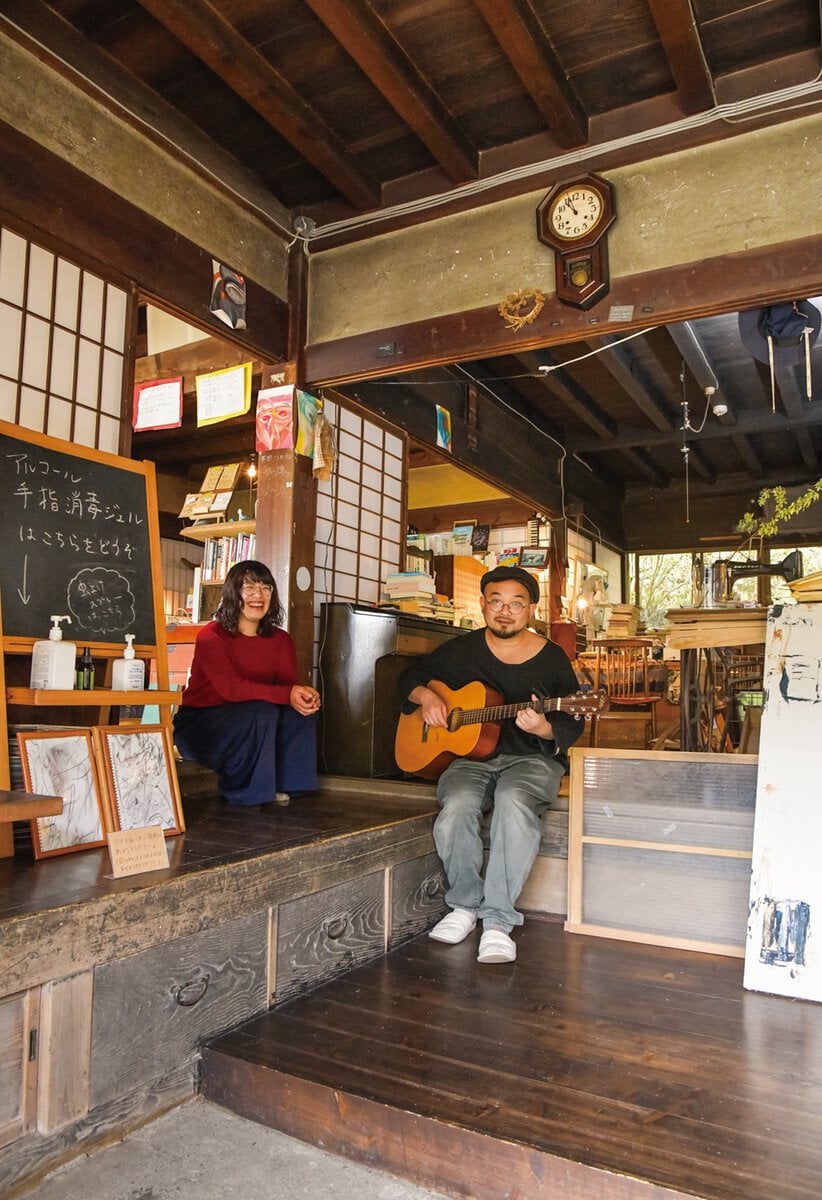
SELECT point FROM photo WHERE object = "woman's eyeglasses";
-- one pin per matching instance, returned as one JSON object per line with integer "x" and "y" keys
{"x": 256, "y": 589}
{"x": 514, "y": 608}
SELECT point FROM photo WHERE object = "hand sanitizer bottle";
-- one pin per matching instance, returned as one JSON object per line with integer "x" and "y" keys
{"x": 128, "y": 673}
{"x": 52, "y": 662}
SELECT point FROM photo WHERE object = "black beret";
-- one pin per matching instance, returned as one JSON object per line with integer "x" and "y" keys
{"x": 517, "y": 574}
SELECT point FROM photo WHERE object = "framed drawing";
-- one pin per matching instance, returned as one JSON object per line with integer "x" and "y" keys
{"x": 534, "y": 558}
{"x": 138, "y": 777}
{"x": 61, "y": 763}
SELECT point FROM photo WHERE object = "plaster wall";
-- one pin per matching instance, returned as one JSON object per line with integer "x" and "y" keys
{"x": 65, "y": 120}
{"x": 744, "y": 193}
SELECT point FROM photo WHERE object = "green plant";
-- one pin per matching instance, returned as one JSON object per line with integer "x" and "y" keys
{"x": 768, "y": 523}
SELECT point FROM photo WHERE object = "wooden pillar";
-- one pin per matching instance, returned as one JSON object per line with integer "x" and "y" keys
{"x": 287, "y": 491}
{"x": 286, "y": 511}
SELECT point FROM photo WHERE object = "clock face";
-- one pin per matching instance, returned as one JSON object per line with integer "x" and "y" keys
{"x": 575, "y": 212}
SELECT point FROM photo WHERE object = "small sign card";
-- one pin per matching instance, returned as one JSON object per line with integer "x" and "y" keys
{"x": 136, "y": 850}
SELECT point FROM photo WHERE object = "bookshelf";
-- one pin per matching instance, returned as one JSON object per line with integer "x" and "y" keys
{"x": 224, "y": 544}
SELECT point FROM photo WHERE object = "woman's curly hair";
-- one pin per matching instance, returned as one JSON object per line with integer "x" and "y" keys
{"x": 231, "y": 601}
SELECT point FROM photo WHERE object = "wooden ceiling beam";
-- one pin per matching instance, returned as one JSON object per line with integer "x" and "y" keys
{"x": 678, "y": 31}
{"x": 629, "y": 373}
{"x": 748, "y": 424}
{"x": 793, "y": 401}
{"x": 696, "y": 359}
{"x": 52, "y": 39}
{"x": 748, "y": 455}
{"x": 562, "y": 384}
{"x": 442, "y": 517}
{"x": 374, "y": 49}
{"x": 529, "y": 52}
{"x": 223, "y": 49}
{"x": 502, "y": 392}
{"x": 645, "y": 464}
{"x": 195, "y": 358}
{"x": 578, "y": 401}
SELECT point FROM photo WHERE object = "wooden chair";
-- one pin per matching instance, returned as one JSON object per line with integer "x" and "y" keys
{"x": 622, "y": 671}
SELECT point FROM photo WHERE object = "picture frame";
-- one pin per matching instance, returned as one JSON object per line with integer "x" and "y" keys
{"x": 62, "y": 763}
{"x": 138, "y": 777}
{"x": 533, "y": 558}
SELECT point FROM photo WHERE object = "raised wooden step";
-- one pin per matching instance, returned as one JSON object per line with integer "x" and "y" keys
{"x": 589, "y": 1070}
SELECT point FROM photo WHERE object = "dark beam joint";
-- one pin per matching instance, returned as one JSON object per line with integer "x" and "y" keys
{"x": 677, "y": 28}
{"x": 375, "y": 50}
{"x": 222, "y": 48}
{"x": 527, "y": 48}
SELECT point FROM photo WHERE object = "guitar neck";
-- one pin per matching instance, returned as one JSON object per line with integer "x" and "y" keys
{"x": 500, "y": 712}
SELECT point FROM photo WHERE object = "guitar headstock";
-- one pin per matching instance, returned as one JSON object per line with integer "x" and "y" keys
{"x": 585, "y": 704}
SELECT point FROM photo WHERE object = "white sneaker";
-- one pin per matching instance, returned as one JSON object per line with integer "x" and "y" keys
{"x": 282, "y": 798}
{"x": 496, "y": 947}
{"x": 454, "y": 926}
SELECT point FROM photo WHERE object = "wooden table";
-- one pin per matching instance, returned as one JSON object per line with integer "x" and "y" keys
{"x": 720, "y": 649}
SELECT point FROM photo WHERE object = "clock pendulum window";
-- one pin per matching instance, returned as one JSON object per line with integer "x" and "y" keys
{"x": 573, "y": 220}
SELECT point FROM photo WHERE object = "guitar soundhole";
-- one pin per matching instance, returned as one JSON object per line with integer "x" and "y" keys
{"x": 455, "y": 719}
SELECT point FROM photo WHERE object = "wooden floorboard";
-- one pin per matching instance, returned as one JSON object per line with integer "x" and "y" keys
{"x": 590, "y": 1068}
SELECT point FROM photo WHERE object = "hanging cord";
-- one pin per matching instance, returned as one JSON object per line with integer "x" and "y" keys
{"x": 685, "y": 448}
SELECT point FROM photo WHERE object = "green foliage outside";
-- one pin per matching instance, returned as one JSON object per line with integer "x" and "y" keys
{"x": 666, "y": 580}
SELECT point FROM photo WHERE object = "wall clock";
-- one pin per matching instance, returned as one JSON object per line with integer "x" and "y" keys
{"x": 573, "y": 220}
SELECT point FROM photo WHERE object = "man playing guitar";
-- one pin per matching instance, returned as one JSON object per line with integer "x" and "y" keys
{"x": 517, "y": 780}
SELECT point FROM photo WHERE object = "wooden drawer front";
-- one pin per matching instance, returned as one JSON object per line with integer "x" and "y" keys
{"x": 328, "y": 932}
{"x": 150, "y": 1011}
{"x": 417, "y": 897}
{"x": 18, "y": 1069}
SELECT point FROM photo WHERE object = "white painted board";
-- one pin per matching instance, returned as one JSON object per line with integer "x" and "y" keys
{"x": 783, "y": 953}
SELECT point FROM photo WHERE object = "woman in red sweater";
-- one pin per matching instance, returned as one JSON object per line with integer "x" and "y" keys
{"x": 243, "y": 714}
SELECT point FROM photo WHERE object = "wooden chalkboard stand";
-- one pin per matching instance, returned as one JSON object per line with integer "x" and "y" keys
{"x": 105, "y": 470}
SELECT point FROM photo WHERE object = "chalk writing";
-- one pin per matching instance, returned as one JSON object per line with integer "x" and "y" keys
{"x": 81, "y": 528}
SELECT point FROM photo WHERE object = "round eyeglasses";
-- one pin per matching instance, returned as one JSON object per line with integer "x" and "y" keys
{"x": 256, "y": 589}
{"x": 514, "y": 608}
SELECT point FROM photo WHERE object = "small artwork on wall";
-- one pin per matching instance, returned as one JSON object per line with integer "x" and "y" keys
{"x": 533, "y": 558}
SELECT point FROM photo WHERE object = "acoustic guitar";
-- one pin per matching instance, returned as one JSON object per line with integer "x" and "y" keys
{"x": 475, "y": 714}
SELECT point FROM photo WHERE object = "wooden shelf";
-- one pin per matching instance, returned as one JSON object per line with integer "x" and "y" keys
{"x": 24, "y": 806}
{"x": 94, "y": 698}
{"x": 199, "y": 533}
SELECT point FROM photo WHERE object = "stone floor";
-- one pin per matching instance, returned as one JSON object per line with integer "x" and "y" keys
{"x": 202, "y": 1152}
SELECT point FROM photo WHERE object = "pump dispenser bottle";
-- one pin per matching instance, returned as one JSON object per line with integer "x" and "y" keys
{"x": 128, "y": 673}
{"x": 52, "y": 661}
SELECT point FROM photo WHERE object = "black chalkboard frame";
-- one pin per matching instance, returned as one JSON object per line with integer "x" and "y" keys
{"x": 80, "y": 530}
{"x": 123, "y": 478}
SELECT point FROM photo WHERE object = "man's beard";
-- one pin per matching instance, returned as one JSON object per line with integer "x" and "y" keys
{"x": 502, "y": 633}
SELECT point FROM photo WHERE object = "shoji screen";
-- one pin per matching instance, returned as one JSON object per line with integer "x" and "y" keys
{"x": 360, "y": 535}
{"x": 63, "y": 345}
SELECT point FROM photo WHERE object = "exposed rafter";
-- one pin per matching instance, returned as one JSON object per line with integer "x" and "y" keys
{"x": 200, "y": 27}
{"x": 358, "y": 28}
{"x": 529, "y": 51}
{"x": 678, "y": 32}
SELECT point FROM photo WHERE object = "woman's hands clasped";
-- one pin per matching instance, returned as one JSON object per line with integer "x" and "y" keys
{"x": 304, "y": 700}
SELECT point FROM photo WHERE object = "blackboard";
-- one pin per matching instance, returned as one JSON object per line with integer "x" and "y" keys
{"x": 75, "y": 538}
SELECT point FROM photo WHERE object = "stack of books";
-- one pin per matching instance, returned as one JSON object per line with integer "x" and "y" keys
{"x": 808, "y": 588}
{"x": 623, "y": 621}
{"x": 410, "y": 591}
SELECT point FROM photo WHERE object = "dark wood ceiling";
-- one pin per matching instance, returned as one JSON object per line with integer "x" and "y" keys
{"x": 627, "y": 407}
{"x": 337, "y": 109}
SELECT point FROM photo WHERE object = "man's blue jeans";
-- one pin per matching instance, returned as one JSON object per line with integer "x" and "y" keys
{"x": 516, "y": 790}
